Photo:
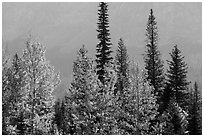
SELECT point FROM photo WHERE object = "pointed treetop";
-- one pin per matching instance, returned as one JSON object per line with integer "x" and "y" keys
{"x": 83, "y": 51}
{"x": 151, "y": 11}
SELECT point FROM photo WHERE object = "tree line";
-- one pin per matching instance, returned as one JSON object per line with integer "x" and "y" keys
{"x": 107, "y": 95}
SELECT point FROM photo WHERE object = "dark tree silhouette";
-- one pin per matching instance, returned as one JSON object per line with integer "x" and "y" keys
{"x": 176, "y": 76}
{"x": 153, "y": 63}
{"x": 195, "y": 121}
{"x": 58, "y": 117}
{"x": 103, "y": 55}
{"x": 122, "y": 67}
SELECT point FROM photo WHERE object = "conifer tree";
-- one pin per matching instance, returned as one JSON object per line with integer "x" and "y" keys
{"x": 89, "y": 111}
{"x": 153, "y": 63}
{"x": 137, "y": 106}
{"x": 58, "y": 116}
{"x": 78, "y": 102}
{"x": 41, "y": 81}
{"x": 12, "y": 91}
{"x": 103, "y": 49}
{"x": 195, "y": 121}
{"x": 122, "y": 67}
{"x": 176, "y": 76}
{"x": 17, "y": 85}
{"x": 69, "y": 126}
{"x": 176, "y": 122}
{"x": 145, "y": 101}
{"x": 63, "y": 127}
{"x": 107, "y": 103}
{"x": 6, "y": 73}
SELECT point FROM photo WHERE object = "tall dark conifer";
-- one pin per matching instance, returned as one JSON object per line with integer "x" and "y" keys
{"x": 58, "y": 115}
{"x": 153, "y": 63}
{"x": 195, "y": 121}
{"x": 176, "y": 76}
{"x": 122, "y": 66}
{"x": 103, "y": 55}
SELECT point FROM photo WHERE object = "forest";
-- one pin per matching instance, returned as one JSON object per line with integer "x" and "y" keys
{"x": 108, "y": 95}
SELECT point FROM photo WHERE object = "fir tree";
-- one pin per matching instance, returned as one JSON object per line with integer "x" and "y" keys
{"x": 137, "y": 106}
{"x": 12, "y": 92}
{"x": 176, "y": 122}
{"x": 153, "y": 63}
{"x": 58, "y": 116}
{"x": 103, "y": 49}
{"x": 89, "y": 111}
{"x": 107, "y": 107}
{"x": 176, "y": 76}
{"x": 69, "y": 126}
{"x": 78, "y": 101}
{"x": 17, "y": 85}
{"x": 63, "y": 127}
{"x": 122, "y": 67}
{"x": 5, "y": 90}
{"x": 145, "y": 101}
{"x": 41, "y": 80}
{"x": 195, "y": 121}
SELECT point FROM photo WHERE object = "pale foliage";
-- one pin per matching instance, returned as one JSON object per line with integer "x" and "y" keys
{"x": 40, "y": 84}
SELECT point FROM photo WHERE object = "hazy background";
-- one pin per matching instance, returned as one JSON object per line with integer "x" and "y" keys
{"x": 64, "y": 27}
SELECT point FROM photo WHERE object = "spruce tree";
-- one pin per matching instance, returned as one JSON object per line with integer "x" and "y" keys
{"x": 176, "y": 76}
{"x": 137, "y": 106}
{"x": 122, "y": 67}
{"x": 41, "y": 81}
{"x": 107, "y": 103}
{"x": 176, "y": 121}
{"x": 17, "y": 85}
{"x": 195, "y": 120}
{"x": 63, "y": 127}
{"x": 144, "y": 101}
{"x": 79, "y": 118}
{"x": 5, "y": 89}
{"x": 103, "y": 56}
{"x": 69, "y": 126}
{"x": 13, "y": 88}
{"x": 153, "y": 63}
{"x": 87, "y": 110}
{"x": 58, "y": 119}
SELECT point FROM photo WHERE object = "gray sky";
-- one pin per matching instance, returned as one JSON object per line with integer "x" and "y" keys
{"x": 64, "y": 27}
{"x": 54, "y": 23}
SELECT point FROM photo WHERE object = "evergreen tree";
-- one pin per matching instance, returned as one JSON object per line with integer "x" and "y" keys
{"x": 103, "y": 55}
{"x": 107, "y": 107}
{"x": 12, "y": 88}
{"x": 59, "y": 115}
{"x": 40, "y": 84}
{"x": 63, "y": 127}
{"x": 17, "y": 85}
{"x": 69, "y": 126}
{"x": 89, "y": 111}
{"x": 176, "y": 122}
{"x": 122, "y": 67}
{"x": 195, "y": 121}
{"x": 78, "y": 100}
{"x": 145, "y": 101}
{"x": 153, "y": 63}
{"x": 176, "y": 76}
{"x": 5, "y": 90}
{"x": 137, "y": 106}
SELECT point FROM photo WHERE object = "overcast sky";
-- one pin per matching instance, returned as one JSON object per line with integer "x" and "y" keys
{"x": 64, "y": 27}
{"x": 53, "y": 22}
